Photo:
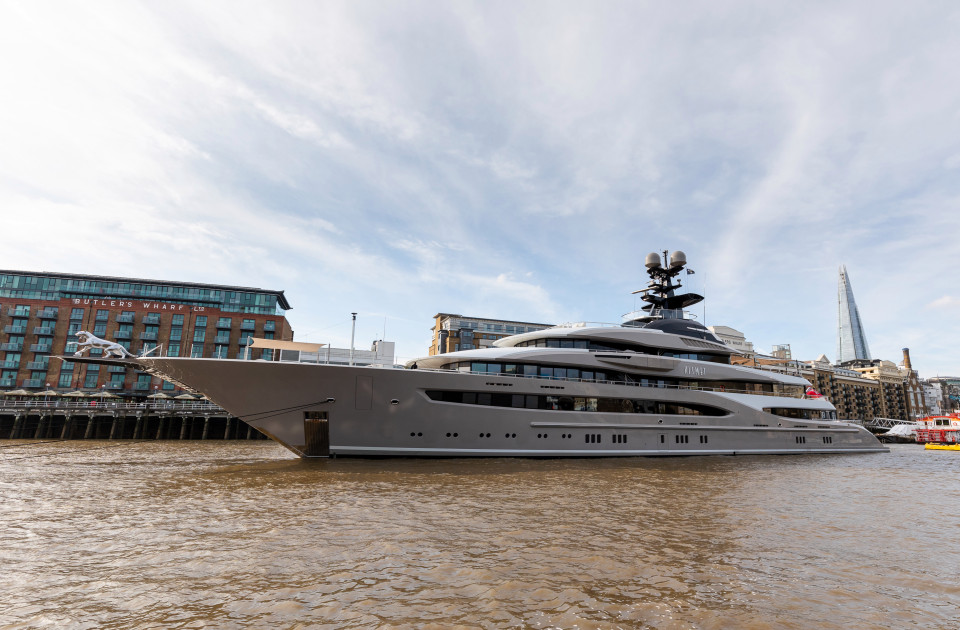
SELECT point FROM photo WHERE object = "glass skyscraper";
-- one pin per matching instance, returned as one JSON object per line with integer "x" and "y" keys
{"x": 851, "y": 340}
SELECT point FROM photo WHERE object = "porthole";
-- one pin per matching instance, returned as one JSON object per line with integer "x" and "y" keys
{"x": 413, "y": 434}
{"x": 419, "y": 434}
{"x": 394, "y": 402}
{"x": 456, "y": 435}
{"x": 448, "y": 435}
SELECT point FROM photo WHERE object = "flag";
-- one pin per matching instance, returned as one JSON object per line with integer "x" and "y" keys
{"x": 812, "y": 393}
{"x": 690, "y": 272}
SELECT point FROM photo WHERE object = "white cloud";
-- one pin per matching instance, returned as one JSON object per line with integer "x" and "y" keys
{"x": 516, "y": 162}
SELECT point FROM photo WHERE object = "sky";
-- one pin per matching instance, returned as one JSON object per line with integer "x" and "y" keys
{"x": 511, "y": 160}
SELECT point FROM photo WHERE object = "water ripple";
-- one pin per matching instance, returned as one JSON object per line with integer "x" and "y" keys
{"x": 242, "y": 536}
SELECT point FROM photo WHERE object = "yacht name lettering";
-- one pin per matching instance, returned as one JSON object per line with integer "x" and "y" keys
{"x": 694, "y": 371}
{"x": 128, "y": 304}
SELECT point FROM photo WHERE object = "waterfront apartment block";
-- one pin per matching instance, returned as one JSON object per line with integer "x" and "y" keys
{"x": 856, "y": 395}
{"x": 458, "y": 332}
{"x": 42, "y": 312}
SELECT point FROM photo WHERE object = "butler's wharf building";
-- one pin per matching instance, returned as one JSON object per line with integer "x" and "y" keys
{"x": 42, "y": 312}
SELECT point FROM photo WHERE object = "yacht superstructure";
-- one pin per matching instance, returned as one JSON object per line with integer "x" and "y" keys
{"x": 657, "y": 384}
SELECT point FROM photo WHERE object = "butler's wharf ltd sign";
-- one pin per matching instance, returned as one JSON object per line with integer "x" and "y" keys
{"x": 155, "y": 306}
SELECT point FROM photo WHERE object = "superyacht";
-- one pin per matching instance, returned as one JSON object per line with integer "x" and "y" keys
{"x": 657, "y": 384}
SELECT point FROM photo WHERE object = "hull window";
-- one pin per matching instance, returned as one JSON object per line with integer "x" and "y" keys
{"x": 575, "y": 403}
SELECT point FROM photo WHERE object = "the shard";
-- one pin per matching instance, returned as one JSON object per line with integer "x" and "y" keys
{"x": 851, "y": 340}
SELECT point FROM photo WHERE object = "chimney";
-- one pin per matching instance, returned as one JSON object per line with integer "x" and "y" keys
{"x": 906, "y": 358}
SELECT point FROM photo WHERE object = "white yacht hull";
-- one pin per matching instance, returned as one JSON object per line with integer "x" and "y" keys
{"x": 369, "y": 411}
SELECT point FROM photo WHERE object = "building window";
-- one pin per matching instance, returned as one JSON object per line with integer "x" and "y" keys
{"x": 90, "y": 380}
{"x": 201, "y": 321}
{"x": 76, "y": 313}
{"x": 177, "y": 320}
{"x": 173, "y": 350}
{"x": 270, "y": 325}
{"x": 103, "y": 315}
{"x": 196, "y": 350}
{"x": 199, "y": 334}
{"x": 66, "y": 379}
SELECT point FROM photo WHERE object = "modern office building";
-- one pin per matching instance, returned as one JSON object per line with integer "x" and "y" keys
{"x": 458, "y": 332}
{"x": 851, "y": 339}
{"x": 42, "y": 312}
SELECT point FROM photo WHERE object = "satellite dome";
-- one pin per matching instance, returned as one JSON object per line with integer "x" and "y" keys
{"x": 678, "y": 259}
{"x": 653, "y": 260}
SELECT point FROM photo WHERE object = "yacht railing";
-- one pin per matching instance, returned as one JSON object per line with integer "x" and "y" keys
{"x": 699, "y": 388}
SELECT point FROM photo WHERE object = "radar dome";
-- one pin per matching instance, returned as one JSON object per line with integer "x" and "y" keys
{"x": 653, "y": 260}
{"x": 678, "y": 259}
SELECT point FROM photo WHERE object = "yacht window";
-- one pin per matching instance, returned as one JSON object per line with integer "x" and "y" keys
{"x": 579, "y": 403}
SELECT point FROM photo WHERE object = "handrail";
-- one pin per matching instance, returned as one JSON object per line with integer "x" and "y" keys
{"x": 718, "y": 390}
{"x": 89, "y": 403}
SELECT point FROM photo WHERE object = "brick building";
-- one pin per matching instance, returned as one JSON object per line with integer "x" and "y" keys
{"x": 42, "y": 312}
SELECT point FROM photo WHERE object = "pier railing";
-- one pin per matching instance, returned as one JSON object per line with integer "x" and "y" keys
{"x": 85, "y": 404}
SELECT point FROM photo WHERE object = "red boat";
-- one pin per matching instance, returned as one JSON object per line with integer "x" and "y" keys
{"x": 941, "y": 429}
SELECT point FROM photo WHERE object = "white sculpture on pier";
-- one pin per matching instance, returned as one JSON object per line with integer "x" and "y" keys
{"x": 110, "y": 348}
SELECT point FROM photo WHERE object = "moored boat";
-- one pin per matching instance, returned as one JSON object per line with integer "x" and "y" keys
{"x": 659, "y": 383}
{"x": 939, "y": 432}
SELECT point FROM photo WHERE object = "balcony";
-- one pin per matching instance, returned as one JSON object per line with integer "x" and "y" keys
{"x": 43, "y": 331}
{"x": 15, "y": 330}
{"x": 8, "y": 382}
{"x": 12, "y": 346}
{"x": 10, "y": 365}
{"x": 122, "y": 334}
{"x": 141, "y": 387}
{"x": 41, "y": 348}
{"x": 114, "y": 385}
{"x": 125, "y": 318}
{"x": 38, "y": 365}
{"x": 148, "y": 336}
{"x": 251, "y": 326}
{"x": 117, "y": 369}
{"x": 246, "y": 339}
{"x": 222, "y": 339}
{"x": 48, "y": 313}
{"x": 18, "y": 312}
{"x": 34, "y": 382}
{"x": 151, "y": 319}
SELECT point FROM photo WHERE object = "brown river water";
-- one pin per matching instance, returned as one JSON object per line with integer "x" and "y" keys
{"x": 243, "y": 535}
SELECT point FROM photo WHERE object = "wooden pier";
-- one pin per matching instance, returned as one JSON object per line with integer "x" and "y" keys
{"x": 84, "y": 419}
